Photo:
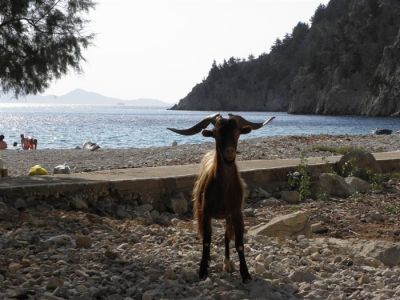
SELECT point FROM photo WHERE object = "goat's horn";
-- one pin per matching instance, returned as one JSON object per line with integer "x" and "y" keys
{"x": 243, "y": 122}
{"x": 198, "y": 127}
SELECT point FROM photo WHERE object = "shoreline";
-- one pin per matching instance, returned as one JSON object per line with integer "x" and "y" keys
{"x": 18, "y": 162}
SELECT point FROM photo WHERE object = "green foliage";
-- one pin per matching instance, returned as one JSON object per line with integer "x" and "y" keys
{"x": 376, "y": 181}
{"x": 392, "y": 209}
{"x": 395, "y": 175}
{"x": 323, "y": 197}
{"x": 356, "y": 196}
{"x": 350, "y": 169}
{"x": 327, "y": 167}
{"x": 40, "y": 41}
{"x": 300, "y": 179}
{"x": 334, "y": 149}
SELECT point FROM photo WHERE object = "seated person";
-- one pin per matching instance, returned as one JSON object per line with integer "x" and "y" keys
{"x": 3, "y": 144}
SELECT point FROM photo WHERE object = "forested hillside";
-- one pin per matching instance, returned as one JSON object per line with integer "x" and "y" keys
{"x": 347, "y": 61}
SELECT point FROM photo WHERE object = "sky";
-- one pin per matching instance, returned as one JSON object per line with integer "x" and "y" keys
{"x": 162, "y": 48}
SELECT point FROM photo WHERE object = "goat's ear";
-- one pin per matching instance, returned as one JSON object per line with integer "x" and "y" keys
{"x": 245, "y": 130}
{"x": 207, "y": 133}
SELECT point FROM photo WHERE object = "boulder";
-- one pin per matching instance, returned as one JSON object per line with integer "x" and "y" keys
{"x": 334, "y": 185}
{"x": 288, "y": 225}
{"x": 358, "y": 184}
{"x": 387, "y": 253}
{"x": 83, "y": 241}
{"x": 358, "y": 162}
{"x": 290, "y": 196}
{"x": 178, "y": 204}
{"x": 78, "y": 203}
{"x": 302, "y": 275}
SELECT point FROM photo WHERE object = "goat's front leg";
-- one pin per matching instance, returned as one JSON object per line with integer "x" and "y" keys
{"x": 239, "y": 230}
{"x": 206, "y": 230}
{"x": 228, "y": 264}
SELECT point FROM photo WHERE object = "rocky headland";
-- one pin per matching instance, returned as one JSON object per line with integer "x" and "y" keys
{"x": 345, "y": 63}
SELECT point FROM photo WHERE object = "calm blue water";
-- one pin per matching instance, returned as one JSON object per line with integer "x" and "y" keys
{"x": 59, "y": 126}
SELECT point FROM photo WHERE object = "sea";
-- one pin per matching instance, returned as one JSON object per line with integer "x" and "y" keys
{"x": 68, "y": 126}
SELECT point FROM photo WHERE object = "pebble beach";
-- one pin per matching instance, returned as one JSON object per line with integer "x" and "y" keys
{"x": 18, "y": 162}
{"x": 58, "y": 252}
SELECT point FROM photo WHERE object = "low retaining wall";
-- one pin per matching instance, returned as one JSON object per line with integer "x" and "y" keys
{"x": 107, "y": 196}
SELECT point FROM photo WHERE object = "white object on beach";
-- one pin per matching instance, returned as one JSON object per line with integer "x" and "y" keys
{"x": 90, "y": 146}
{"x": 62, "y": 169}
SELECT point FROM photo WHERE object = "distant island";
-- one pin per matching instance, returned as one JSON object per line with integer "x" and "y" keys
{"x": 79, "y": 96}
{"x": 347, "y": 62}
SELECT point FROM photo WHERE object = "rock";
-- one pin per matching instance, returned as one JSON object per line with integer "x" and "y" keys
{"x": 248, "y": 212}
{"x": 288, "y": 225}
{"x": 174, "y": 144}
{"x": 292, "y": 197}
{"x": 302, "y": 275}
{"x": 190, "y": 275}
{"x": 14, "y": 267}
{"x": 334, "y": 185}
{"x": 358, "y": 184}
{"x": 319, "y": 228}
{"x": 121, "y": 212}
{"x": 178, "y": 204}
{"x": 259, "y": 268}
{"x": 376, "y": 216}
{"x": 78, "y": 203}
{"x": 83, "y": 241}
{"x": 59, "y": 240}
{"x": 90, "y": 146}
{"x": 382, "y": 131}
{"x": 20, "y": 204}
{"x": 359, "y": 163}
{"x": 259, "y": 193}
{"x": 110, "y": 254}
{"x": 364, "y": 279}
{"x": 25, "y": 262}
{"x": 80, "y": 288}
{"x": 170, "y": 274}
{"x": 54, "y": 282}
{"x": 7, "y": 213}
{"x": 62, "y": 169}
{"x": 144, "y": 209}
{"x": 387, "y": 253}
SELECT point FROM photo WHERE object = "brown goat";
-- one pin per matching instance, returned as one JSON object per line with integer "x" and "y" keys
{"x": 218, "y": 191}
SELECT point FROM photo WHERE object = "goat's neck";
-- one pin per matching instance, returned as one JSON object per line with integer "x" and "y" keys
{"x": 224, "y": 167}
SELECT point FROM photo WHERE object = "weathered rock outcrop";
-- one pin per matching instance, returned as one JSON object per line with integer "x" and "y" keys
{"x": 346, "y": 63}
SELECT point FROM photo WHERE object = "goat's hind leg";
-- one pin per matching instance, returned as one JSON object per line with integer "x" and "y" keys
{"x": 205, "y": 223}
{"x": 228, "y": 264}
{"x": 239, "y": 230}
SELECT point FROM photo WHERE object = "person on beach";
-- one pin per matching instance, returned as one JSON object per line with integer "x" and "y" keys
{"x": 3, "y": 144}
{"x": 28, "y": 143}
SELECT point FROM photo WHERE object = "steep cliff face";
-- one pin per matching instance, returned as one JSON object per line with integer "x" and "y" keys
{"x": 347, "y": 62}
{"x": 386, "y": 99}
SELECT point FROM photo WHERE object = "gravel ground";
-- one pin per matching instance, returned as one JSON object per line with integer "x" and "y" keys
{"x": 19, "y": 162}
{"x": 56, "y": 254}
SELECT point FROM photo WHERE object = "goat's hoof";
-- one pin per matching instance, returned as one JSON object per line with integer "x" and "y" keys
{"x": 246, "y": 278}
{"x": 229, "y": 266}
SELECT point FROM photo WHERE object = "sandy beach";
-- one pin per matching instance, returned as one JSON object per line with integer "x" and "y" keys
{"x": 18, "y": 162}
